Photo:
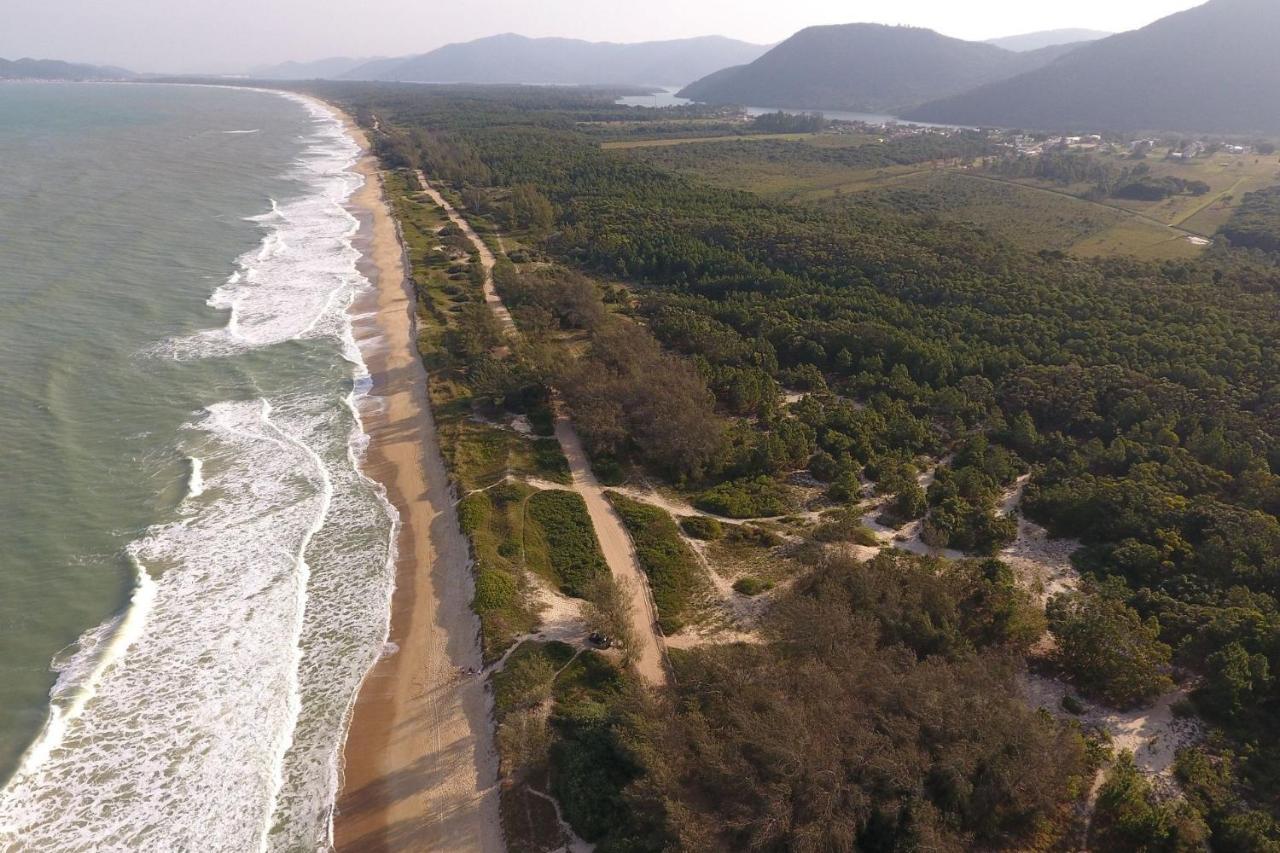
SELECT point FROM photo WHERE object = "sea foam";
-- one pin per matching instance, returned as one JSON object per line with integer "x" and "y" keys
{"x": 211, "y": 714}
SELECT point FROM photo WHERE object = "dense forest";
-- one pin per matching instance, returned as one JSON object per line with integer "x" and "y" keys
{"x": 1142, "y": 398}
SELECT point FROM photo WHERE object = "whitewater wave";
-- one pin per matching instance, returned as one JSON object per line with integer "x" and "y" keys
{"x": 287, "y": 287}
{"x": 195, "y": 477}
{"x": 211, "y": 714}
{"x": 192, "y": 715}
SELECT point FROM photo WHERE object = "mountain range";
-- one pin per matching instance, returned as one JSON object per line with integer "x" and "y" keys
{"x": 1046, "y": 38}
{"x": 1212, "y": 68}
{"x": 55, "y": 69}
{"x": 866, "y": 68}
{"x": 513, "y": 58}
{"x": 329, "y": 68}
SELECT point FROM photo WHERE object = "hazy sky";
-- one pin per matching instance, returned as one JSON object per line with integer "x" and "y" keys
{"x": 229, "y": 35}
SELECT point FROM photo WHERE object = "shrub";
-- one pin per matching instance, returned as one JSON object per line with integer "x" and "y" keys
{"x": 572, "y": 547}
{"x": 701, "y": 527}
{"x": 758, "y": 498}
{"x": 750, "y": 534}
{"x": 751, "y": 586}
{"x": 1130, "y": 816}
{"x": 675, "y": 575}
{"x": 1109, "y": 651}
{"x": 845, "y": 527}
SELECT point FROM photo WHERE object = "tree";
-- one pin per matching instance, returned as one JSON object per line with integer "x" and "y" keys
{"x": 1131, "y": 818}
{"x": 1235, "y": 680}
{"x": 531, "y": 209}
{"x": 1110, "y": 652}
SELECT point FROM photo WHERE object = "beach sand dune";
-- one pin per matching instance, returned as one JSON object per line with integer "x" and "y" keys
{"x": 420, "y": 771}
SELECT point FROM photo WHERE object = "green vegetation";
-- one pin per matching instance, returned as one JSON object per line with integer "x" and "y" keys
{"x": 675, "y": 575}
{"x": 817, "y": 165}
{"x": 1111, "y": 654}
{"x": 1131, "y": 816}
{"x": 889, "y": 711}
{"x": 845, "y": 526}
{"x": 1256, "y": 225}
{"x": 494, "y": 522}
{"x": 701, "y": 527}
{"x": 1140, "y": 396}
{"x": 962, "y": 495}
{"x": 571, "y": 546}
{"x": 591, "y": 763}
{"x": 751, "y": 586}
{"x": 760, "y": 497}
{"x": 556, "y": 712}
{"x": 918, "y": 721}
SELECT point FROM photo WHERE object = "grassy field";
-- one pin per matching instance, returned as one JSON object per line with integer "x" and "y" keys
{"x": 675, "y": 574}
{"x": 1021, "y": 215}
{"x": 660, "y": 143}
{"x": 799, "y": 172}
{"x": 1033, "y": 214}
{"x": 1229, "y": 177}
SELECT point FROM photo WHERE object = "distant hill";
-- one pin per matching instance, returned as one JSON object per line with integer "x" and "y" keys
{"x": 1212, "y": 68}
{"x": 1046, "y": 38}
{"x": 330, "y": 68}
{"x": 55, "y": 69}
{"x": 865, "y": 68}
{"x": 517, "y": 59}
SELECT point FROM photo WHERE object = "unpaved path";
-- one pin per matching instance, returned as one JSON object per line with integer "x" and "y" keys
{"x": 615, "y": 543}
{"x": 419, "y": 769}
{"x": 491, "y": 297}
{"x": 619, "y": 553}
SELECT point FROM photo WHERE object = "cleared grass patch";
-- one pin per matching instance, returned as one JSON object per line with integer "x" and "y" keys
{"x": 675, "y": 574}
{"x": 494, "y": 522}
{"x": 573, "y": 554}
{"x": 662, "y": 143}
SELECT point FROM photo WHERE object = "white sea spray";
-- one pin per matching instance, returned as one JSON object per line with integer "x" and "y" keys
{"x": 211, "y": 713}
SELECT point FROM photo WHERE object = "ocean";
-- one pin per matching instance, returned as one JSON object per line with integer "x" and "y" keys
{"x": 194, "y": 573}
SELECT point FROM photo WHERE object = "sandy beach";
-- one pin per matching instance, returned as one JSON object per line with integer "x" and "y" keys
{"x": 420, "y": 771}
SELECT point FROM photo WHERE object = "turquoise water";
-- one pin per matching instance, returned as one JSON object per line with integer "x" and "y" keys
{"x": 194, "y": 575}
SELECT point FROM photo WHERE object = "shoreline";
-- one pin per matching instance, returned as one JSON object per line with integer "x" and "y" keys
{"x": 418, "y": 769}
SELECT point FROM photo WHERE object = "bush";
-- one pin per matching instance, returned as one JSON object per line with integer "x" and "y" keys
{"x": 1130, "y": 816}
{"x": 572, "y": 547}
{"x": 751, "y": 534}
{"x": 845, "y": 527}
{"x": 590, "y": 766}
{"x": 550, "y": 460}
{"x": 701, "y": 527}
{"x": 761, "y": 497}
{"x": 675, "y": 575}
{"x": 751, "y": 586}
{"x": 1072, "y": 705}
{"x": 1108, "y": 650}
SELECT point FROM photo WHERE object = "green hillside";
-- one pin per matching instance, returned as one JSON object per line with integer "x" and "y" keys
{"x": 864, "y": 67}
{"x": 1212, "y": 68}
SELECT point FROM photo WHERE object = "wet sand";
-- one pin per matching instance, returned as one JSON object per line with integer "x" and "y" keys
{"x": 419, "y": 767}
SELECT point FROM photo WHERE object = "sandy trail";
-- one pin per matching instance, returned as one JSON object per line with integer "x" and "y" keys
{"x": 420, "y": 772}
{"x": 491, "y": 297}
{"x": 615, "y": 542}
{"x": 619, "y": 553}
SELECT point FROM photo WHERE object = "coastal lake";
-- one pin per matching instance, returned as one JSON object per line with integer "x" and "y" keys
{"x": 668, "y": 98}
{"x": 194, "y": 572}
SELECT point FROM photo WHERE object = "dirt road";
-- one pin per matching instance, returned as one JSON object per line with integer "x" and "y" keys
{"x": 615, "y": 543}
